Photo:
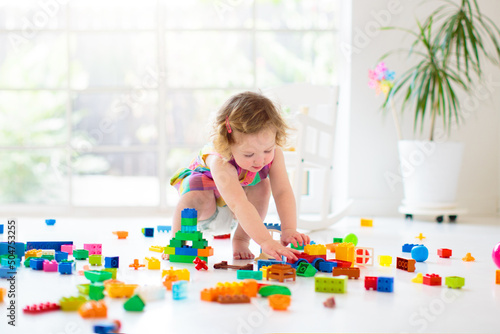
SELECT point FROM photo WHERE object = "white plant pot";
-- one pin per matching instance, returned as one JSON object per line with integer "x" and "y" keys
{"x": 430, "y": 173}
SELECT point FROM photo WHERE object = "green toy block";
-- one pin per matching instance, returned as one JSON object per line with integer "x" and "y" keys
{"x": 83, "y": 289}
{"x": 169, "y": 250}
{"x": 95, "y": 260}
{"x": 27, "y": 262}
{"x": 72, "y": 303}
{"x": 48, "y": 257}
{"x": 337, "y": 240}
{"x": 189, "y": 221}
{"x": 244, "y": 274}
{"x": 80, "y": 254}
{"x": 97, "y": 276}
{"x": 454, "y": 282}
{"x": 269, "y": 290}
{"x": 96, "y": 291}
{"x": 301, "y": 248}
{"x": 200, "y": 244}
{"x": 176, "y": 243}
{"x": 112, "y": 271}
{"x": 194, "y": 236}
{"x": 184, "y": 258}
{"x": 134, "y": 304}
{"x": 336, "y": 284}
{"x": 306, "y": 270}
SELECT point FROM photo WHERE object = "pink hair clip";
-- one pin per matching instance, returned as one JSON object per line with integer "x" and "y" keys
{"x": 228, "y": 127}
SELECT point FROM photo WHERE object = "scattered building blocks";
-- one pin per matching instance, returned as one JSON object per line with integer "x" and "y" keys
{"x": 468, "y": 258}
{"x": 36, "y": 263}
{"x": 200, "y": 264}
{"x": 306, "y": 270}
{"x": 50, "y": 222}
{"x": 93, "y": 309}
{"x": 56, "y": 245}
{"x": 418, "y": 279}
{"x": 351, "y": 238}
{"x": 454, "y": 282}
{"x": 179, "y": 290}
{"x": 97, "y": 276}
{"x": 420, "y": 237}
{"x": 149, "y": 293}
{"x": 94, "y": 249}
{"x": 280, "y": 272}
{"x": 60, "y": 256}
{"x": 121, "y": 234}
{"x": 66, "y": 267}
{"x": 345, "y": 252}
{"x": 444, "y": 252}
{"x": 364, "y": 256}
{"x": 50, "y": 266}
{"x": 152, "y": 263}
{"x": 233, "y": 299}
{"x": 420, "y": 253}
{"x": 315, "y": 250}
{"x": 246, "y": 274}
{"x": 405, "y": 264}
{"x": 95, "y": 260}
{"x": 270, "y": 290}
{"x": 41, "y": 308}
{"x": 385, "y": 260}
{"x": 366, "y": 222}
{"x": 224, "y": 265}
{"x": 111, "y": 262}
{"x": 164, "y": 228}
{"x": 408, "y": 247}
{"x": 148, "y": 231}
{"x": 157, "y": 249}
{"x": 134, "y": 304}
{"x": 68, "y": 249}
{"x": 72, "y": 303}
{"x": 371, "y": 282}
{"x": 120, "y": 290}
{"x": 136, "y": 264}
{"x": 432, "y": 279}
{"x": 349, "y": 272}
{"x": 279, "y": 302}
{"x": 336, "y": 284}
{"x": 385, "y": 284}
{"x": 329, "y": 303}
{"x": 80, "y": 254}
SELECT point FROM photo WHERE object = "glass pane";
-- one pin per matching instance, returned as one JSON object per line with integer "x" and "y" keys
{"x": 297, "y": 14}
{"x": 198, "y": 14}
{"x": 296, "y": 57}
{"x": 33, "y": 178}
{"x": 213, "y": 59}
{"x": 39, "y": 62}
{"x": 123, "y": 119}
{"x": 115, "y": 179}
{"x": 190, "y": 113}
{"x": 114, "y": 60}
{"x": 29, "y": 15}
{"x": 177, "y": 158}
{"x": 32, "y": 118}
{"x": 112, "y": 14}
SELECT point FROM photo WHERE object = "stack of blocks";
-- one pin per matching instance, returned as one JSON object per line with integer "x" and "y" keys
{"x": 178, "y": 250}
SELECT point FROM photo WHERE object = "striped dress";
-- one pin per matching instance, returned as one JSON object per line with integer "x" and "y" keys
{"x": 199, "y": 177}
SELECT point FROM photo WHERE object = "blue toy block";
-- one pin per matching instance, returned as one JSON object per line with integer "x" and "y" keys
{"x": 267, "y": 263}
{"x": 106, "y": 328}
{"x": 327, "y": 266}
{"x": 189, "y": 213}
{"x": 179, "y": 290}
{"x": 186, "y": 251}
{"x": 6, "y": 272}
{"x": 111, "y": 262}
{"x": 50, "y": 222}
{"x": 47, "y": 244}
{"x": 189, "y": 228}
{"x": 312, "y": 243}
{"x": 1, "y": 228}
{"x": 36, "y": 263}
{"x": 408, "y": 247}
{"x": 420, "y": 253}
{"x": 297, "y": 263}
{"x": 6, "y": 262}
{"x": 8, "y": 249}
{"x": 61, "y": 256}
{"x": 148, "y": 231}
{"x": 273, "y": 226}
{"x": 317, "y": 262}
{"x": 164, "y": 228}
{"x": 66, "y": 268}
{"x": 385, "y": 284}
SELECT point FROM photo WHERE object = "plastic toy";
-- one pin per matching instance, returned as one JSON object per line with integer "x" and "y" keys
{"x": 121, "y": 234}
{"x": 157, "y": 249}
{"x": 468, "y": 258}
{"x": 182, "y": 274}
{"x": 408, "y": 247}
{"x": 261, "y": 263}
{"x": 56, "y": 245}
{"x": 107, "y": 327}
{"x": 233, "y": 299}
{"x": 152, "y": 263}
{"x": 366, "y": 222}
{"x": 495, "y": 254}
{"x": 331, "y": 284}
{"x": 7, "y": 272}
{"x": 329, "y": 303}
{"x": 279, "y": 302}
{"x": 3, "y": 291}
{"x": 497, "y": 280}
{"x": 200, "y": 264}
{"x": 60, "y": 256}
{"x": 352, "y": 238}
{"x": 66, "y": 267}
{"x": 349, "y": 272}
{"x": 111, "y": 262}
{"x": 371, "y": 282}
{"x": 246, "y": 274}
{"x": 12, "y": 262}
{"x": 432, "y": 279}
{"x": 168, "y": 280}
{"x": 50, "y": 222}
{"x": 134, "y": 304}
{"x": 36, "y": 263}
{"x": 306, "y": 270}
{"x": 6, "y": 249}
{"x": 248, "y": 287}
{"x": 120, "y": 290}
{"x": 364, "y": 256}
{"x": 418, "y": 279}
{"x": 136, "y": 264}
{"x": 270, "y": 290}
{"x": 385, "y": 284}
{"x": 41, "y": 308}
{"x": 1, "y": 228}
{"x": 50, "y": 266}
{"x": 95, "y": 260}
{"x": 338, "y": 240}
{"x": 224, "y": 265}
{"x": 345, "y": 252}
{"x": 405, "y": 264}
{"x": 68, "y": 249}
{"x": 420, "y": 253}
{"x": 80, "y": 254}
{"x": 33, "y": 253}
{"x": 112, "y": 271}
{"x": 454, "y": 282}
{"x": 96, "y": 291}
{"x": 150, "y": 293}
{"x": 444, "y": 252}
{"x": 93, "y": 309}
{"x": 72, "y": 303}
{"x": 97, "y": 276}
{"x": 148, "y": 231}
{"x": 281, "y": 272}
{"x": 164, "y": 228}
{"x": 420, "y": 237}
{"x": 94, "y": 249}
{"x": 385, "y": 260}
{"x": 179, "y": 290}
{"x": 315, "y": 249}
{"x": 222, "y": 236}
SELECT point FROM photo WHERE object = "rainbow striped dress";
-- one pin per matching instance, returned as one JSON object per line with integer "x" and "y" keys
{"x": 199, "y": 177}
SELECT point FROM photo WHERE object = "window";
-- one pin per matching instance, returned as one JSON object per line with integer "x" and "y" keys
{"x": 102, "y": 101}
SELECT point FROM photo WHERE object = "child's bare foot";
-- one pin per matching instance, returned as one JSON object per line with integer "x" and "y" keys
{"x": 241, "y": 250}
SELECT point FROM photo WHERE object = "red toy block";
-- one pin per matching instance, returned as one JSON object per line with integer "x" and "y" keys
{"x": 200, "y": 264}
{"x": 432, "y": 279}
{"x": 223, "y": 236}
{"x": 371, "y": 282}
{"x": 41, "y": 308}
{"x": 444, "y": 252}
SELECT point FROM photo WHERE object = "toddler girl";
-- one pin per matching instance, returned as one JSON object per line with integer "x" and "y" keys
{"x": 237, "y": 173}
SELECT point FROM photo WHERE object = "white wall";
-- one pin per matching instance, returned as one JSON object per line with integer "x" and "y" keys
{"x": 372, "y": 138}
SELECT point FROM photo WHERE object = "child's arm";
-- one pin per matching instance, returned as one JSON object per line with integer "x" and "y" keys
{"x": 285, "y": 202}
{"x": 226, "y": 179}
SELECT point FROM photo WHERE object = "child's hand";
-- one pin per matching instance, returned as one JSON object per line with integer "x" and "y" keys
{"x": 291, "y": 236}
{"x": 276, "y": 250}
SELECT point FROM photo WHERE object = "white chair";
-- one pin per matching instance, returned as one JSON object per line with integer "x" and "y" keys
{"x": 315, "y": 112}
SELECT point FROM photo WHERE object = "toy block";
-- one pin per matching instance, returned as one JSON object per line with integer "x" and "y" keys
{"x": 405, "y": 264}
{"x": 385, "y": 284}
{"x": 371, "y": 282}
{"x": 27, "y": 262}
{"x": 186, "y": 250}
{"x": 432, "y": 279}
{"x": 149, "y": 293}
{"x": 50, "y": 222}
{"x": 331, "y": 247}
{"x": 36, "y": 263}
{"x": 152, "y": 263}
{"x": 420, "y": 253}
{"x": 66, "y": 268}
{"x": 300, "y": 248}
{"x": 48, "y": 257}
{"x": 120, "y": 290}
{"x": 315, "y": 250}
{"x": 497, "y": 278}
{"x": 408, "y": 247}
{"x": 366, "y": 222}
{"x": 200, "y": 244}
{"x": 444, "y": 253}
{"x": 50, "y": 266}
{"x": 121, "y": 234}
{"x": 13, "y": 262}
{"x": 189, "y": 213}
{"x": 164, "y": 228}
{"x": 111, "y": 262}
{"x": 83, "y": 289}
{"x": 80, "y": 254}
{"x": 169, "y": 250}
{"x": 136, "y": 264}
{"x": 95, "y": 260}
{"x": 112, "y": 271}
{"x": 179, "y": 290}
{"x": 94, "y": 249}
{"x": 41, "y": 308}
{"x": 134, "y": 304}
{"x": 7, "y": 248}
{"x": 97, "y": 276}
{"x": 306, "y": 270}
{"x": 190, "y": 223}
{"x": 200, "y": 264}
{"x": 192, "y": 236}
{"x": 148, "y": 231}
{"x": 185, "y": 258}
{"x": 331, "y": 284}
{"x": 244, "y": 274}
{"x": 270, "y": 290}
{"x": 206, "y": 252}
{"x": 56, "y": 245}
{"x": 329, "y": 303}
{"x": 345, "y": 252}
{"x": 49, "y": 252}
{"x": 468, "y": 258}
{"x": 71, "y": 303}
{"x": 3, "y": 292}
{"x": 223, "y": 236}
{"x": 168, "y": 280}
{"x": 189, "y": 228}
{"x": 107, "y": 327}
{"x": 182, "y": 274}
{"x": 349, "y": 272}
{"x": 59, "y": 256}
{"x": 263, "y": 269}
{"x": 385, "y": 260}
{"x": 233, "y": 299}
{"x": 418, "y": 279}
{"x": 157, "y": 249}
{"x": 364, "y": 256}
{"x": 68, "y": 249}
{"x": 96, "y": 291}
{"x": 338, "y": 240}
{"x": 280, "y": 272}
{"x": 33, "y": 253}
{"x": 327, "y": 266}
{"x": 7, "y": 272}
{"x": 420, "y": 237}
{"x": 1, "y": 228}
{"x": 261, "y": 263}
{"x": 454, "y": 282}
{"x": 224, "y": 265}
{"x": 175, "y": 243}
{"x": 279, "y": 302}
{"x": 93, "y": 309}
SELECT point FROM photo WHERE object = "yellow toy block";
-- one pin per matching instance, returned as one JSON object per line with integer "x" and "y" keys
{"x": 345, "y": 252}
{"x": 206, "y": 252}
{"x": 152, "y": 263}
{"x": 120, "y": 290}
{"x": 33, "y": 253}
{"x": 158, "y": 249}
{"x": 264, "y": 271}
{"x": 418, "y": 279}
{"x": 366, "y": 222}
{"x": 182, "y": 274}
{"x": 385, "y": 260}
{"x": 315, "y": 249}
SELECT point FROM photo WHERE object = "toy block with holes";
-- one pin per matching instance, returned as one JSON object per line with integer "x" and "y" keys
{"x": 345, "y": 252}
{"x": 454, "y": 282}
{"x": 280, "y": 272}
{"x": 93, "y": 309}
{"x": 164, "y": 228}
{"x": 66, "y": 267}
{"x": 248, "y": 287}
{"x": 385, "y": 260}
{"x": 68, "y": 249}
{"x": 267, "y": 263}
{"x": 157, "y": 249}
{"x": 371, "y": 282}
{"x": 468, "y": 258}
{"x": 432, "y": 279}
{"x": 60, "y": 256}
{"x": 111, "y": 262}
{"x": 71, "y": 303}
{"x": 188, "y": 243}
{"x": 366, "y": 222}
{"x": 444, "y": 253}
{"x": 315, "y": 249}
{"x": 405, "y": 264}
{"x": 336, "y": 284}
{"x": 148, "y": 231}
{"x": 385, "y": 284}
{"x": 306, "y": 270}
{"x": 279, "y": 302}
{"x": 41, "y": 308}
{"x": 152, "y": 263}
{"x": 408, "y": 247}
{"x": 50, "y": 266}
{"x": 248, "y": 274}
{"x": 33, "y": 253}
{"x": 364, "y": 256}
{"x": 94, "y": 249}
{"x": 349, "y": 272}
{"x": 80, "y": 254}
{"x": 1, "y": 228}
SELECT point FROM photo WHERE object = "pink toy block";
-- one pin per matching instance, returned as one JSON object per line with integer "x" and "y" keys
{"x": 68, "y": 249}
{"x": 94, "y": 249}
{"x": 50, "y": 266}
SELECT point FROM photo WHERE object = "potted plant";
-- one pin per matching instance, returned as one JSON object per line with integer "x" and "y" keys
{"x": 447, "y": 54}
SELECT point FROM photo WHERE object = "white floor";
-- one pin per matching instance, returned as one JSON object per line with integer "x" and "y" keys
{"x": 410, "y": 308}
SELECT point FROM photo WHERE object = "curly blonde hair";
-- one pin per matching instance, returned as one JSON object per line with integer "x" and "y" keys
{"x": 248, "y": 113}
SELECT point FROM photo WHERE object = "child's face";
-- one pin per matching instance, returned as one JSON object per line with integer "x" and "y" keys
{"x": 254, "y": 151}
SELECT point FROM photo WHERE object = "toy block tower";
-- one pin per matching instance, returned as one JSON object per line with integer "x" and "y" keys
{"x": 179, "y": 250}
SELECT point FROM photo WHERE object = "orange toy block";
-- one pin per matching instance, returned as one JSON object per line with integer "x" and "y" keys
{"x": 168, "y": 280}
{"x": 121, "y": 234}
{"x": 468, "y": 258}
{"x": 93, "y": 309}
{"x": 345, "y": 252}
{"x": 281, "y": 272}
{"x": 3, "y": 291}
{"x": 331, "y": 247}
{"x": 498, "y": 277}
{"x": 279, "y": 302}
{"x": 206, "y": 252}
{"x": 120, "y": 290}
